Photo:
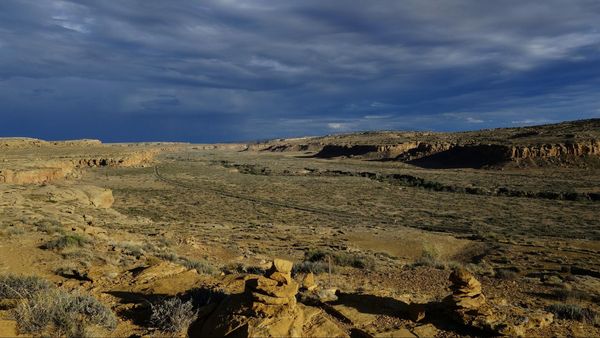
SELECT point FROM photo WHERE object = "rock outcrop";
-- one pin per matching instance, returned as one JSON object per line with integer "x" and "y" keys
{"x": 221, "y": 146}
{"x": 81, "y": 195}
{"x": 453, "y": 155}
{"x": 565, "y": 144}
{"x": 466, "y": 291}
{"x": 468, "y": 306}
{"x": 589, "y": 148}
{"x": 268, "y": 308}
{"x": 48, "y": 170}
{"x": 34, "y": 175}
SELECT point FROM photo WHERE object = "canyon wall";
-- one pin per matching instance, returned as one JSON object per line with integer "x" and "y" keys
{"x": 446, "y": 154}
{"x": 37, "y": 171}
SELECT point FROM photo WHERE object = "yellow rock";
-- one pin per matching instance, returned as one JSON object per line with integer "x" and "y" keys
{"x": 282, "y": 291}
{"x": 261, "y": 281}
{"x": 259, "y": 297}
{"x": 284, "y": 278}
{"x": 308, "y": 282}
{"x": 283, "y": 266}
{"x": 425, "y": 331}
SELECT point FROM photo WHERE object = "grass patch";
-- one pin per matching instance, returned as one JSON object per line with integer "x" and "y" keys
{"x": 340, "y": 258}
{"x": 430, "y": 256}
{"x": 574, "y": 312}
{"x": 506, "y": 274}
{"x": 202, "y": 266}
{"x": 130, "y": 248}
{"x": 308, "y": 266}
{"x": 241, "y": 268}
{"x": 14, "y": 230}
{"x": 49, "y": 226}
{"x": 576, "y": 295}
{"x": 66, "y": 241}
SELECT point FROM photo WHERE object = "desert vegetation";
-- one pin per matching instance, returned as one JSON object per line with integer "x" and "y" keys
{"x": 167, "y": 244}
{"x": 40, "y": 308}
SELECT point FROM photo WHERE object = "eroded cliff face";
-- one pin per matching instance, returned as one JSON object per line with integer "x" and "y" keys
{"x": 402, "y": 151}
{"x": 41, "y": 171}
{"x": 586, "y": 148}
{"x": 24, "y": 142}
{"x": 448, "y": 154}
{"x": 221, "y": 146}
{"x": 280, "y": 147}
{"x": 34, "y": 175}
{"x": 135, "y": 158}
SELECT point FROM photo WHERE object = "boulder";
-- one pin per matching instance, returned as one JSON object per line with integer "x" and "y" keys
{"x": 283, "y": 266}
{"x": 327, "y": 295}
{"x": 425, "y": 331}
{"x": 308, "y": 282}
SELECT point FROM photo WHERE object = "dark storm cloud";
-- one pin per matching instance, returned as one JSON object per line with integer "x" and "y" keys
{"x": 226, "y": 70}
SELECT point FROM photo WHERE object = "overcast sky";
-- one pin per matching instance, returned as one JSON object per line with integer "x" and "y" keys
{"x": 207, "y": 71}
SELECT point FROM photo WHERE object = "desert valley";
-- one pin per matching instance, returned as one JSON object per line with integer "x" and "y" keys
{"x": 374, "y": 234}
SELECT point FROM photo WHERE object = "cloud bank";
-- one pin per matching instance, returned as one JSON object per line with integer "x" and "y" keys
{"x": 208, "y": 71}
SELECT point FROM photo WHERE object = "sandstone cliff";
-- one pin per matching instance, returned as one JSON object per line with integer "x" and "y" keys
{"x": 450, "y": 155}
{"x": 568, "y": 143}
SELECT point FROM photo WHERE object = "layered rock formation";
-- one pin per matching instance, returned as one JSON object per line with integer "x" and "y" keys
{"x": 466, "y": 291}
{"x": 34, "y": 171}
{"x": 468, "y": 306}
{"x": 563, "y": 144}
{"x": 475, "y": 155}
{"x": 268, "y": 308}
{"x": 585, "y": 148}
{"x": 221, "y": 146}
{"x": 34, "y": 175}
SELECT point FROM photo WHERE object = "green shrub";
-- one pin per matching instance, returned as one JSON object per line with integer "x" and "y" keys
{"x": 172, "y": 315}
{"x": 66, "y": 241}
